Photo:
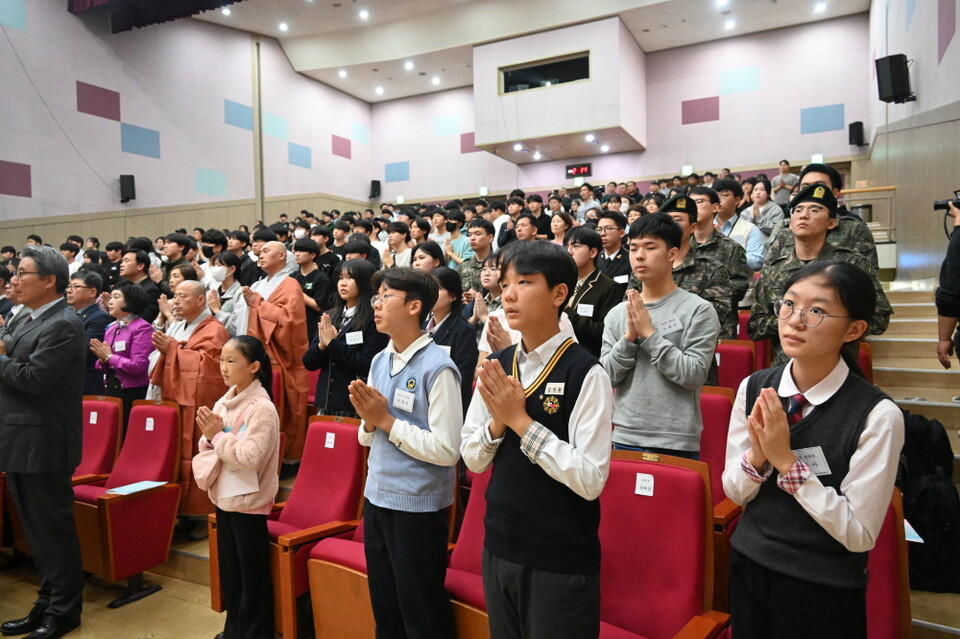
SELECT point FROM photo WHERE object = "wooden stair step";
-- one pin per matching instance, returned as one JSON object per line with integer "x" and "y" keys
{"x": 918, "y": 378}
{"x": 909, "y": 364}
{"x": 912, "y": 327}
{"x": 906, "y": 296}
{"x": 902, "y": 347}
{"x": 914, "y": 309}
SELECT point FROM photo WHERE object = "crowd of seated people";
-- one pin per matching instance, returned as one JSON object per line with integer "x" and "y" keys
{"x": 661, "y": 275}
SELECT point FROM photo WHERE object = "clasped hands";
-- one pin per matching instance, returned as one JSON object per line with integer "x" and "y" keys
{"x": 210, "y": 423}
{"x": 371, "y": 406}
{"x": 769, "y": 434}
{"x": 504, "y": 398}
{"x": 639, "y": 324}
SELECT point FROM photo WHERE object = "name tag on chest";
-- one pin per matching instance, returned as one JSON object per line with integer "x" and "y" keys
{"x": 354, "y": 337}
{"x": 554, "y": 389}
{"x": 585, "y": 310}
{"x": 621, "y": 279}
{"x": 403, "y": 400}
{"x": 814, "y": 458}
{"x": 669, "y": 325}
{"x": 120, "y": 345}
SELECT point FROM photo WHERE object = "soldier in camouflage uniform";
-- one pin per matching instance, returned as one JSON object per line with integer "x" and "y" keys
{"x": 809, "y": 224}
{"x": 480, "y": 233}
{"x": 850, "y": 232}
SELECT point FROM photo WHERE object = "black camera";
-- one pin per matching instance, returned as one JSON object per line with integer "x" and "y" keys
{"x": 943, "y": 205}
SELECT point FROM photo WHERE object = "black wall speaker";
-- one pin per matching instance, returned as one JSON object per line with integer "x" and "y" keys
{"x": 856, "y": 134}
{"x": 128, "y": 189}
{"x": 893, "y": 79}
{"x": 374, "y": 188}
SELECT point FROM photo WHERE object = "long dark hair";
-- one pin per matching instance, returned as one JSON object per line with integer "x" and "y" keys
{"x": 360, "y": 271}
{"x": 853, "y": 287}
{"x": 253, "y": 351}
{"x": 449, "y": 280}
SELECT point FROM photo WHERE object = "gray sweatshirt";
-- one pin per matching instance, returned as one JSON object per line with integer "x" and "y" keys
{"x": 657, "y": 381}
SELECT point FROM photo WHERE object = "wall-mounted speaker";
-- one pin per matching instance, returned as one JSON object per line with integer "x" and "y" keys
{"x": 855, "y": 131}
{"x": 128, "y": 189}
{"x": 893, "y": 79}
{"x": 374, "y": 188}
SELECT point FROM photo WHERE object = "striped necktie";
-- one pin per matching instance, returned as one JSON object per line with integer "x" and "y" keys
{"x": 795, "y": 412}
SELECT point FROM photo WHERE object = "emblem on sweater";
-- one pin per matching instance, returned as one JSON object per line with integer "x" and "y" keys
{"x": 411, "y": 383}
{"x": 551, "y": 405}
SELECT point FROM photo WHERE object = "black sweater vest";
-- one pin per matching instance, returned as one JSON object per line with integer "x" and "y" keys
{"x": 532, "y": 519}
{"x": 774, "y": 530}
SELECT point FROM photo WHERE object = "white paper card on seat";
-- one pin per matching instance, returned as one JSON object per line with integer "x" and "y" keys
{"x": 129, "y": 489}
{"x": 149, "y": 423}
{"x": 235, "y": 481}
{"x": 815, "y": 459}
{"x": 331, "y": 438}
{"x": 585, "y": 310}
{"x": 718, "y": 358}
{"x": 910, "y": 533}
{"x": 93, "y": 417}
{"x": 354, "y": 337}
{"x": 644, "y": 484}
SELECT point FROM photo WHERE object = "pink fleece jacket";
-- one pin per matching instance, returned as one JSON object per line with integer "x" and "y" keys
{"x": 258, "y": 450}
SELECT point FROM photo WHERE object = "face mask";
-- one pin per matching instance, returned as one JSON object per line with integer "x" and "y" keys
{"x": 300, "y": 234}
{"x": 207, "y": 251}
{"x": 164, "y": 259}
{"x": 218, "y": 273}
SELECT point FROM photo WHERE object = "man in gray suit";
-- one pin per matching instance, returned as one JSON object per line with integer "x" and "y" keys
{"x": 41, "y": 388}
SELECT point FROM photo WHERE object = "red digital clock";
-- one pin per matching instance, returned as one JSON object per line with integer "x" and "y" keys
{"x": 579, "y": 170}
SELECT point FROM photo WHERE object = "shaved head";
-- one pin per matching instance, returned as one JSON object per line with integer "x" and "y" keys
{"x": 189, "y": 300}
{"x": 273, "y": 257}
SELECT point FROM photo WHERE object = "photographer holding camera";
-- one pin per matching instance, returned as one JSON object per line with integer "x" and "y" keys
{"x": 948, "y": 293}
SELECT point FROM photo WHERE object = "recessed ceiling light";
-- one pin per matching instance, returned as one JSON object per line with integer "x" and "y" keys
{"x": 536, "y": 155}
{"x": 605, "y": 148}
{"x": 589, "y": 137}
{"x": 518, "y": 147}
{"x": 364, "y": 14}
{"x": 342, "y": 73}
{"x": 729, "y": 24}
{"x": 283, "y": 26}
{"x": 225, "y": 11}
{"x": 408, "y": 65}
{"x": 435, "y": 80}
{"x": 820, "y": 8}
{"x": 378, "y": 90}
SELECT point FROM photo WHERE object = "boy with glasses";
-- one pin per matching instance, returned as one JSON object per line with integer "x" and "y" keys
{"x": 614, "y": 262}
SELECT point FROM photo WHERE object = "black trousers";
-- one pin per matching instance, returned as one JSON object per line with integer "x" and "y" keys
{"x": 406, "y": 566}
{"x": 527, "y": 603}
{"x": 44, "y": 502}
{"x": 128, "y": 395}
{"x": 244, "y": 560}
{"x": 770, "y": 605}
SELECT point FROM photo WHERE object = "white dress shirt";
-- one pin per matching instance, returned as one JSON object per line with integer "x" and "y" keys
{"x": 583, "y": 463}
{"x": 440, "y": 444}
{"x": 855, "y": 517}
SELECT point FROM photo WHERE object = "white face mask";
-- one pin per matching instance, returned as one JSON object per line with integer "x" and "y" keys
{"x": 300, "y": 233}
{"x": 218, "y": 273}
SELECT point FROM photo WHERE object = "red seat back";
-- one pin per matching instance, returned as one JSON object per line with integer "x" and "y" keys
{"x": 151, "y": 447}
{"x": 888, "y": 593}
{"x": 742, "y": 332}
{"x": 312, "y": 388}
{"x": 330, "y": 479}
{"x": 737, "y": 359}
{"x": 656, "y": 558}
{"x": 468, "y": 552}
{"x": 865, "y": 361}
{"x": 716, "y": 406}
{"x": 101, "y": 436}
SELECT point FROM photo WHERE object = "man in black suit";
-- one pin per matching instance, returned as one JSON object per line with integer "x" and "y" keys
{"x": 82, "y": 293}
{"x": 41, "y": 438}
{"x": 135, "y": 266}
{"x": 614, "y": 260}
{"x": 595, "y": 294}
{"x": 13, "y": 315}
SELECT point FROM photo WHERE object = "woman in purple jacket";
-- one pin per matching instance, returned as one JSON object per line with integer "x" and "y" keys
{"x": 126, "y": 346}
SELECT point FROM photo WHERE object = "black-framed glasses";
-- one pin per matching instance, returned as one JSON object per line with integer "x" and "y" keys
{"x": 73, "y": 287}
{"x": 22, "y": 273}
{"x": 383, "y": 298}
{"x": 810, "y": 315}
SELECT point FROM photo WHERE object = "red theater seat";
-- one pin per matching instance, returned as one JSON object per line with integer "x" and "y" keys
{"x": 464, "y": 577}
{"x": 888, "y": 590}
{"x": 736, "y": 360}
{"x": 102, "y": 432}
{"x": 122, "y": 535}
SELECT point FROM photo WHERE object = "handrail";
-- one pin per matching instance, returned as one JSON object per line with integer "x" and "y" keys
{"x": 868, "y": 189}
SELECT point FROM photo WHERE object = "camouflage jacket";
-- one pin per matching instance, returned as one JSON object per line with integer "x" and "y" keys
{"x": 774, "y": 274}
{"x": 850, "y": 233}
{"x": 470, "y": 274}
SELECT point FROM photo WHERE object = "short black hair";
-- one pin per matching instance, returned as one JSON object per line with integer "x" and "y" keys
{"x": 449, "y": 280}
{"x": 498, "y": 205}
{"x": 306, "y": 245}
{"x": 115, "y": 246}
{"x": 342, "y": 225}
{"x": 264, "y": 235}
{"x": 357, "y": 245}
{"x": 90, "y": 279}
{"x": 657, "y": 225}
{"x": 417, "y": 285}
{"x": 243, "y": 236}
{"x": 585, "y": 236}
{"x": 399, "y": 227}
{"x": 178, "y": 238}
{"x": 618, "y": 218}
{"x": 835, "y": 178}
{"x": 545, "y": 258}
{"x": 280, "y": 230}
{"x": 35, "y": 238}
{"x": 366, "y": 225}
{"x": 515, "y": 200}
{"x": 213, "y": 236}
{"x": 535, "y": 197}
{"x": 706, "y": 190}
{"x": 70, "y": 246}
{"x": 728, "y": 184}
{"x": 438, "y": 211}
{"x": 432, "y": 249}
{"x": 323, "y": 232}
{"x": 142, "y": 258}
{"x": 422, "y": 224}
{"x": 529, "y": 217}
{"x": 134, "y": 297}
{"x": 480, "y": 223}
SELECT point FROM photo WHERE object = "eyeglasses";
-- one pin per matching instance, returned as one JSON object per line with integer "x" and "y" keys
{"x": 22, "y": 273}
{"x": 813, "y": 210}
{"x": 811, "y": 315}
{"x": 382, "y": 299}
{"x": 73, "y": 287}
{"x": 607, "y": 229}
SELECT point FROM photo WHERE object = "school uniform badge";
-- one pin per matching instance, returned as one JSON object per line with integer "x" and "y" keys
{"x": 551, "y": 405}
{"x": 411, "y": 383}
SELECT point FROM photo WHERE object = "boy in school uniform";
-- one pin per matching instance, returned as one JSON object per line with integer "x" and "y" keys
{"x": 541, "y": 416}
{"x": 411, "y": 412}
{"x": 658, "y": 345}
